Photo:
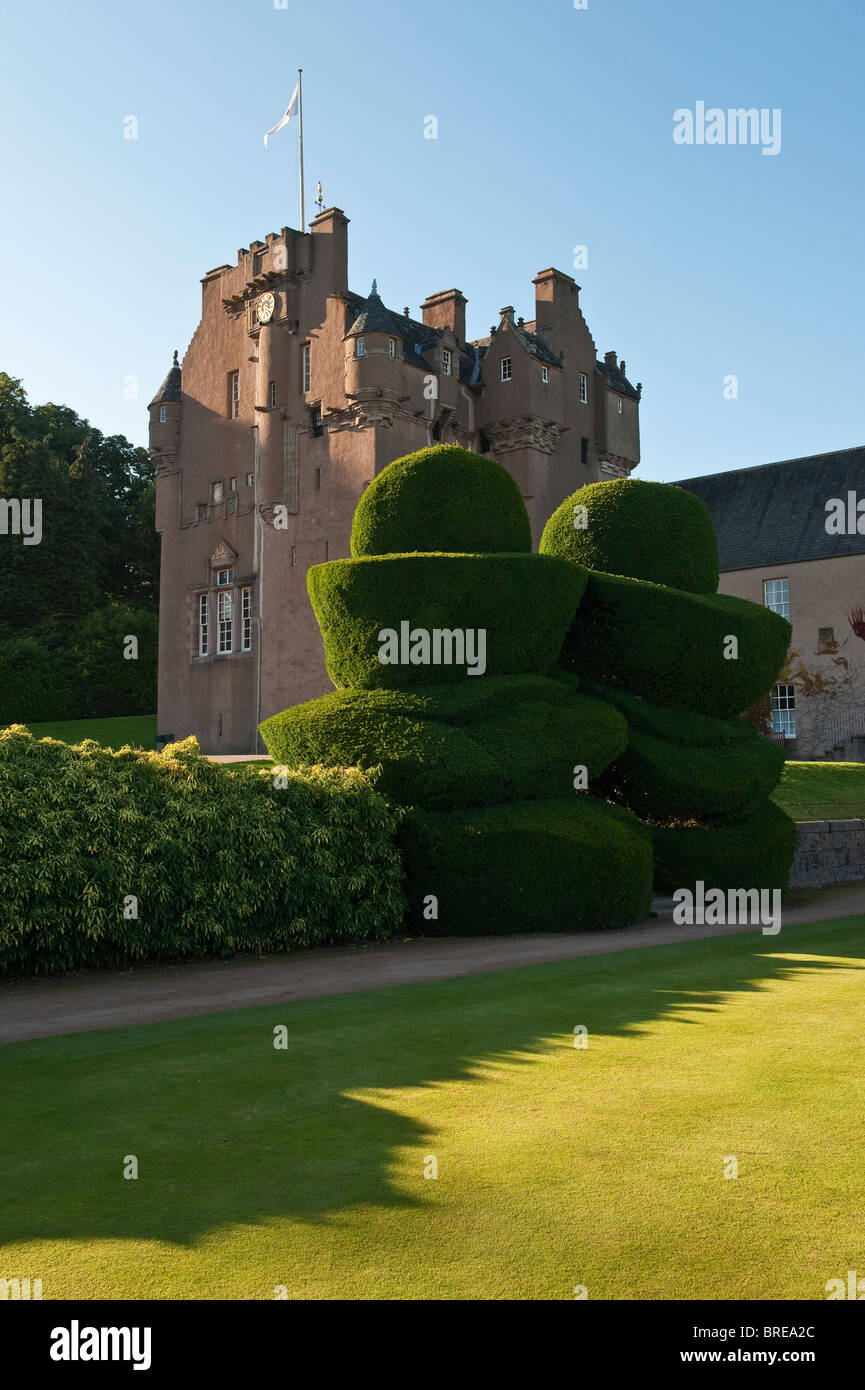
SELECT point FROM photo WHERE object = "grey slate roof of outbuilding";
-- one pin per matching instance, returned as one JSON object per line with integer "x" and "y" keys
{"x": 775, "y": 514}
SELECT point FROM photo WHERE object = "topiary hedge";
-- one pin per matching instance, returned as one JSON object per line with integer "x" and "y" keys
{"x": 752, "y": 850}
{"x": 218, "y": 861}
{"x": 441, "y": 499}
{"x": 536, "y": 866}
{"x": 668, "y": 781}
{"x": 675, "y": 726}
{"x": 668, "y": 646}
{"x": 643, "y": 530}
{"x": 523, "y": 603}
{"x": 508, "y": 739}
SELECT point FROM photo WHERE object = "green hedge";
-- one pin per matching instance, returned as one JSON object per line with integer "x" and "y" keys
{"x": 486, "y": 867}
{"x": 668, "y": 646}
{"x": 441, "y": 499}
{"x": 516, "y": 738}
{"x": 219, "y": 861}
{"x": 674, "y": 726}
{"x": 643, "y": 530}
{"x": 80, "y": 672}
{"x": 523, "y": 602}
{"x": 754, "y": 850}
{"x": 664, "y": 781}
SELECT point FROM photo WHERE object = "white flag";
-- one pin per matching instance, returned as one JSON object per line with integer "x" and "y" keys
{"x": 290, "y": 110}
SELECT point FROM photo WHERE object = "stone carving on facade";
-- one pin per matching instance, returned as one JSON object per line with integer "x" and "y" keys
{"x": 524, "y": 432}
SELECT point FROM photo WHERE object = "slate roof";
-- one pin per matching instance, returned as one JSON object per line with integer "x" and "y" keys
{"x": 169, "y": 391}
{"x": 775, "y": 514}
{"x": 372, "y": 316}
{"x": 616, "y": 380}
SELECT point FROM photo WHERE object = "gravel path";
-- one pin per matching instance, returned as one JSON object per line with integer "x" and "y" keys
{"x": 94, "y": 999}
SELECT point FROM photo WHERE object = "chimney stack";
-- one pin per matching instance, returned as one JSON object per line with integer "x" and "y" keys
{"x": 446, "y": 310}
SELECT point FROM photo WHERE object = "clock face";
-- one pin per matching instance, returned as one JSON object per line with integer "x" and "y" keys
{"x": 265, "y": 307}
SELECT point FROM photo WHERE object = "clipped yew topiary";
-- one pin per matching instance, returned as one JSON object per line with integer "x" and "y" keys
{"x": 558, "y": 865}
{"x": 642, "y": 530}
{"x": 750, "y": 850}
{"x": 481, "y": 743}
{"x": 671, "y": 647}
{"x": 441, "y": 499}
{"x": 521, "y": 603}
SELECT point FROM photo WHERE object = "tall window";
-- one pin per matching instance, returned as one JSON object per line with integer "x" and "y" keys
{"x": 202, "y": 624}
{"x": 584, "y": 451}
{"x": 619, "y": 404}
{"x": 545, "y": 375}
{"x": 360, "y": 347}
{"x": 163, "y": 414}
{"x": 250, "y": 479}
{"x": 246, "y": 619}
{"x": 233, "y": 485}
{"x": 216, "y": 491}
{"x": 234, "y": 380}
{"x": 784, "y": 710}
{"x": 224, "y": 601}
{"x": 776, "y": 595}
{"x": 391, "y": 347}
{"x": 584, "y": 390}
{"x": 315, "y": 421}
{"x": 446, "y": 361}
{"x": 271, "y": 395}
{"x": 307, "y": 367}
{"x": 506, "y": 369}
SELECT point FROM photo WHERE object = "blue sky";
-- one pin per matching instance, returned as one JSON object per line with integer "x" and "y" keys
{"x": 555, "y": 129}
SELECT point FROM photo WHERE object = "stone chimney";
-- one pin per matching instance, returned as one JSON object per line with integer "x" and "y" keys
{"x": 557, "y": 299}
{"x": 446, "y": 310}
{"x": 611, "y": 360}
{"x": 330, "y": 249}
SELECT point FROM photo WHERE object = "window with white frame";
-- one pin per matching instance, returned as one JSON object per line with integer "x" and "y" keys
{"x": 776, "y": 595}
{"x": 203, "y": 627}
{"x": 163, "y": 414}
{"x": 506, "y": 369}
{"x": 224, "y": 613}
{"x": 783, "y": 704}
{"x": 360, "y": 347}
{"x": 234, "y": 380}
{"x": 545, "y": 375}
{"x": 250, "y": 479}
{"x": 584, "y": 390}
{"x": 619, "y": 404}
{"x": 307, "y": 367}
{"x": 224, "y": 578}
{"x": 446, "y": 361}
{"x": 391, "y": 347}
{"x": 216, "y": 491}
{"x": 233, "y": 485}
{"x": 246, "y": 619}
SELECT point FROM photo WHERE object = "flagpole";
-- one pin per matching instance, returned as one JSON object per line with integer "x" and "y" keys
{"x": 300, "y": 134}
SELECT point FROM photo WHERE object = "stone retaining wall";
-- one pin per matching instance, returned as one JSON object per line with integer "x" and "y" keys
{"x": 829, "y": 851}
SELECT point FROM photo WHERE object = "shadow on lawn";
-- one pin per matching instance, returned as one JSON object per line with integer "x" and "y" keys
{"x": 229, "y": 1130}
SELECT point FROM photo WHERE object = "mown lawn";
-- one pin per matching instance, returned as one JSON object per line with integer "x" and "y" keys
{"x": 557, "y": 1166}
{"x": 822, "y": 791}
{"x": 138, "y": 730}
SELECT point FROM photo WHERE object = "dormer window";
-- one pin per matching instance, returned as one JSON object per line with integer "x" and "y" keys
{"x": 360, "y": 347}
{"x": 545, "y": 375}
{"x": 391, "y": 347}
{"x": 163, "y": 414}
{"x": 446, "y": 361}
{"x": 506, "y": 369}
